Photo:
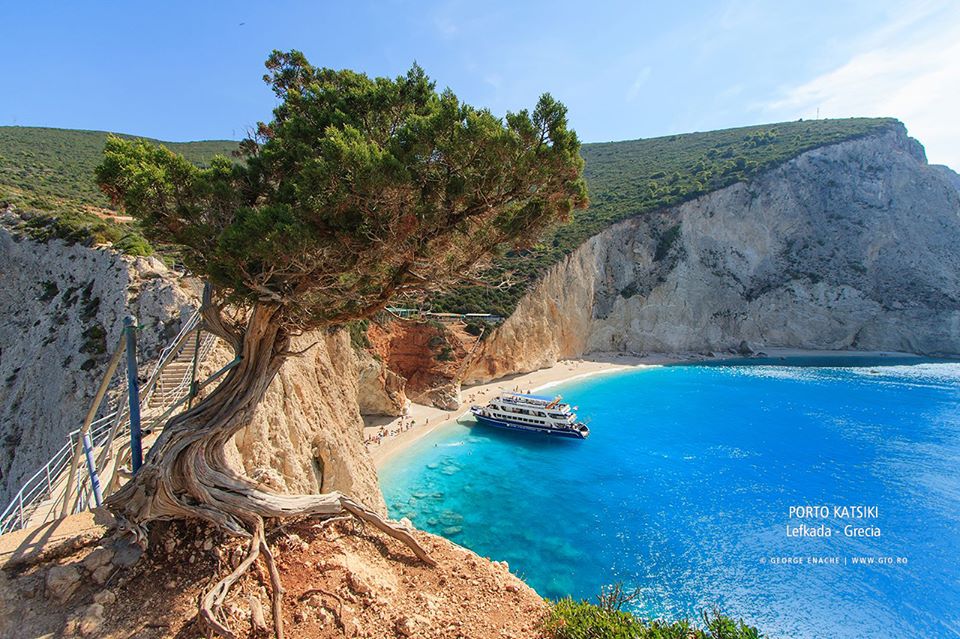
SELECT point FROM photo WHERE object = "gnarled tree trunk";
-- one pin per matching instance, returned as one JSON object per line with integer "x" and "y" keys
{"x": 186, "y": 475}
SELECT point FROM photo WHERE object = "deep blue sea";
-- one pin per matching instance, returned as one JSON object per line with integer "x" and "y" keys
{"x": 684, "y": 489}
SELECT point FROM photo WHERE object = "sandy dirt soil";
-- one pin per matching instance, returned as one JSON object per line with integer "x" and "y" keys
{"x": 341, "y": 580}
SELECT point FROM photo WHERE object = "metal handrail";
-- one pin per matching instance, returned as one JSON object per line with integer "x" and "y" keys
{"x": 52, "y": 469}
{"x": 183, "y": 384}
{"x": 172, "y": 399}
{"x": 40, "y": 485}
{"x": 172, "y": 348}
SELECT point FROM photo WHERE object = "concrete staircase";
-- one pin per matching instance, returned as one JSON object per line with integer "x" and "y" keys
{"x": 173, "y": 379}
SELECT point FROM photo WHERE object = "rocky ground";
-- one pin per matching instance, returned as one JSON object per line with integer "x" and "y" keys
{"x": 340, "y": 579}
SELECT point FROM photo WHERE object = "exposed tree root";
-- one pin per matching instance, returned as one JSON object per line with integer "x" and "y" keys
{"x": 330, "y": 505}
{"x": 211, "y": 602}
{"x": 325, "y": 505}
{"x": 186, "y": 474}
{"x": 277, "y": 596}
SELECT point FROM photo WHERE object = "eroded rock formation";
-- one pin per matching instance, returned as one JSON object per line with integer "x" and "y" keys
{"x": 428, "y": 356}
{"x": 307, "y": 435}
{"x": 849, "y": 246}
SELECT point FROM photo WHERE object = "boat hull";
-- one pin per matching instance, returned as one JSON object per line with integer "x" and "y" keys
{"x": 553, "y": 432}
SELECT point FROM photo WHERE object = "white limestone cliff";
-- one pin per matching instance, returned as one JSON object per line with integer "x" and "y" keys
{"x": 849, "y": 246}
{"x": 61, "y": 315}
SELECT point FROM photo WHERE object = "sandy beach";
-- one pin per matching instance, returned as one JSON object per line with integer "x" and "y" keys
{"x": 426, "y": 419}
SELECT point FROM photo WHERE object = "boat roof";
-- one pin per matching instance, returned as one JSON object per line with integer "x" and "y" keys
{"x": 545, "y": 398}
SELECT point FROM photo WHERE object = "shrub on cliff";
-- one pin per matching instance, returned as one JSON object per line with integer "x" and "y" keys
{"x": 571, "y": 619}
{"x": 80, "y": 227}
{"x": 479, "y": 328}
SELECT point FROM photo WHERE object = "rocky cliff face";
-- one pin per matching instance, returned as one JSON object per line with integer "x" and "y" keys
{"x": 426, "y": 358}
{"x": 61, "y": 315}
{"x": 307, "y": 434}
{"x": 382, "y": 391}
{"x": 949, "y": 174}
{"x": 850, "y": 246}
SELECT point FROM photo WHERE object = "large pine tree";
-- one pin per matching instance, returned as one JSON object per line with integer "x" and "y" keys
{"x": 358, "y": 191}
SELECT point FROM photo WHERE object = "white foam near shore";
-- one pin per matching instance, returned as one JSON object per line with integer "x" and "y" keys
{"x": 612, "y": 369}
{"x": 427, "y": 419}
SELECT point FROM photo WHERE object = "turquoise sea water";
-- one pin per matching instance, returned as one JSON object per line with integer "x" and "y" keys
{"x": 684, "y": 487}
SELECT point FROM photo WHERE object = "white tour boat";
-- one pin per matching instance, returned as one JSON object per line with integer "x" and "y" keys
{"x": 519, "y": 411}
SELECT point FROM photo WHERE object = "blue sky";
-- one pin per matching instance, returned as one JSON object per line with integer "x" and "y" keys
{"x": 191, "y": 70}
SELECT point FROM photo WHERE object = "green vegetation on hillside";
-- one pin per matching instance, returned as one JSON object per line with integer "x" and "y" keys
{"x": 51, "y": 170}
{"x": 56, "y": 165}
{"x": 73, "y": 227}
{"x": 626, "y": 179}
{"x": 48, "y": 173}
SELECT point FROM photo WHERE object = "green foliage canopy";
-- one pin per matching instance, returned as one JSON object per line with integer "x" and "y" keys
{"x": 358, "y": 190}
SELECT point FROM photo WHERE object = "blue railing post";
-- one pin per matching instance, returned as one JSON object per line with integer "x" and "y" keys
{"x": 92, "y": 470}
{"x": 193, "y": 367}
{"x": 133, "y": 393}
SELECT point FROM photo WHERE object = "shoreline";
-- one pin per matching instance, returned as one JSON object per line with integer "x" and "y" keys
{"x": 427, "y": 419}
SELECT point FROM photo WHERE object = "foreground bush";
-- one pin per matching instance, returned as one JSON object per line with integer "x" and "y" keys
{"x": 571, "y": 619}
